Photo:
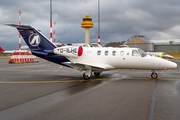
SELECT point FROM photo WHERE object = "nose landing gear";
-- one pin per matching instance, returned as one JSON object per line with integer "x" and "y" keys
{"x": 154, "y": 75}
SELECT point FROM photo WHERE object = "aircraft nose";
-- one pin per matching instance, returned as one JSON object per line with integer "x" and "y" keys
{"x": 172, "y": 65}
{"x": 175, "y": 65}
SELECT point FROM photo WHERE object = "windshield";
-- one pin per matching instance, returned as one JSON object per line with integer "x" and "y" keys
{"x": 143, "y": 54}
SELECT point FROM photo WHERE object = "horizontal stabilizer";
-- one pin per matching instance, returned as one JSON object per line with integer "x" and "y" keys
{"x": 24, "y": 27}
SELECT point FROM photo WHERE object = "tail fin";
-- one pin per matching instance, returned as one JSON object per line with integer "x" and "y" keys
{"x": 39, "y": 45}
{"x": 1, "y": 49}
{"x": 33, "y": 38}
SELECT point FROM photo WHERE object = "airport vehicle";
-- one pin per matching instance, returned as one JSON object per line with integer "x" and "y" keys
{"x": 161, "y": 54}
{"x": 23, "y": 49}
{"x": 91, "y": 59}
{"x": 5, "y": 51}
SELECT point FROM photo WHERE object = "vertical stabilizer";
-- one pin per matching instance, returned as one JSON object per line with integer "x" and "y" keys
{"x": 34, "y": 38}
{"x": 1, "y": 49}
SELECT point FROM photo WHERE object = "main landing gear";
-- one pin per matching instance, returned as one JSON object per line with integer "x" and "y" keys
{"x": 87, "y": 76}
{"x": 154, "y": 75}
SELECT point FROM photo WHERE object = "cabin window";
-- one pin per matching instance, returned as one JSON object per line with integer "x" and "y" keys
{"x": 106, "y": 53}
{"x": 122, "y": 53}
{"x": 98, "y": 52}
{"x": 135, "y": 53}
{"x": 113, "y": 53}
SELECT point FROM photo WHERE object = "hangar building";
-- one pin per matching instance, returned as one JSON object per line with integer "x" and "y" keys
{"x": 171, "y": 45}
{"x": 140, "y": 41}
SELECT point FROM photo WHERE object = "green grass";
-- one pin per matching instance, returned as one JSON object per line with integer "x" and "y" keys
{"x": 176, "y": 55}
{"x": 5, "y": 57}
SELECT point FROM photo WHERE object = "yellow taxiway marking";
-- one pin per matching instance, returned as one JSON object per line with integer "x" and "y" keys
{"x": 169, "y": 79}
{"x": 52, "y": 81}
{"x": 73, "y": 81}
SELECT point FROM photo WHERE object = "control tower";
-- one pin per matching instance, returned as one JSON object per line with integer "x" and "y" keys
{"x": 87, "y": 24}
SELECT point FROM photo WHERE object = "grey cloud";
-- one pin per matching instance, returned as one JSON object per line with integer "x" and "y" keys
{"x": 156, "y": 19}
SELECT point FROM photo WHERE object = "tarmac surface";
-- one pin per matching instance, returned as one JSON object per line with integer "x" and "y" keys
{"x": 45, "y": 91}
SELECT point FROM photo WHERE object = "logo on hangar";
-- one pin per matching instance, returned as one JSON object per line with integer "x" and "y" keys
{"x": 34, "y": 39}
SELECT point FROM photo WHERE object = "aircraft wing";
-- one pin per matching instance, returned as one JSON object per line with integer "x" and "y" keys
{"x": 93, "y": 67}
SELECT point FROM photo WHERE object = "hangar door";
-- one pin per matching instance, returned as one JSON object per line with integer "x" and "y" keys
{"x": 167, "y": 48}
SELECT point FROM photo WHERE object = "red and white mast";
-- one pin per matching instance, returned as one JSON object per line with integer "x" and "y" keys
{"x": 99, "y": 22}
{"x": 54, "y": 32}
{"x": 51, "y": 20}
{"x": 19, "y": 14}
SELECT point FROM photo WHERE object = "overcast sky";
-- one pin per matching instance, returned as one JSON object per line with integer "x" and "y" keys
{"x": 120, "y": 19}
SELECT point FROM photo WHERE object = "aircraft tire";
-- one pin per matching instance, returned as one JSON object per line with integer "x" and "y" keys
{"x": 97, "y": 73}
{"x": 86, "y": 77}
{"x": 154, "y": 75}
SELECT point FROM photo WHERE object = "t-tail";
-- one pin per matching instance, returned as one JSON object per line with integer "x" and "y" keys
{"x": 39, "y": 44}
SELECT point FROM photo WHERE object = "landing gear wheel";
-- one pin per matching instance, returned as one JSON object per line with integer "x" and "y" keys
{"x": 154, "y": 75}
{"x": 97, "y": 73}
{"x": 86, "y": 77}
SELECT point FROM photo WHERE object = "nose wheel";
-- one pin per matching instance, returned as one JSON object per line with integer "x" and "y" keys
{"x": 154, "y": 75}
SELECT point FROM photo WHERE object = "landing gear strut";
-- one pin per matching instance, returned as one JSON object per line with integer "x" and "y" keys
{"x": 154, "y": 75}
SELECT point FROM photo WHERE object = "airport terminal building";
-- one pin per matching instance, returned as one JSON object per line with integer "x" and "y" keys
{"x": 169, "y": 45}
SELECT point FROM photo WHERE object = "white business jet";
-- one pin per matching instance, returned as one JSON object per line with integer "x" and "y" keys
{"x": 98, "y": 59}
{"x": 91, "y": 59}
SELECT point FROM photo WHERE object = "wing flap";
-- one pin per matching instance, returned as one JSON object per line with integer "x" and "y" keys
{"x": 94, "y": 67}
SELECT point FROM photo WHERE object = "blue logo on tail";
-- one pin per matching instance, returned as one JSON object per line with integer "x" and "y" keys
{"x": 34, "y": 39}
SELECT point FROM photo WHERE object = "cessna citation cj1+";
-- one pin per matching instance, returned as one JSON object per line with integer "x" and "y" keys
{"x": 91, "y": 59}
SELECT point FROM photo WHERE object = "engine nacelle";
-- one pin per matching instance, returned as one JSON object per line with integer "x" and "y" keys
{"x": 69, "y": 51}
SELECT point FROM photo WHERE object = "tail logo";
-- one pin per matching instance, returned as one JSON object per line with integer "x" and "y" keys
{"x": 34, "y": 39}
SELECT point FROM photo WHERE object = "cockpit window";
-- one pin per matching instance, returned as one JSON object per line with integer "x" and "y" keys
{"x": 143, "y": 54}
{"x": 135, "y": 53}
